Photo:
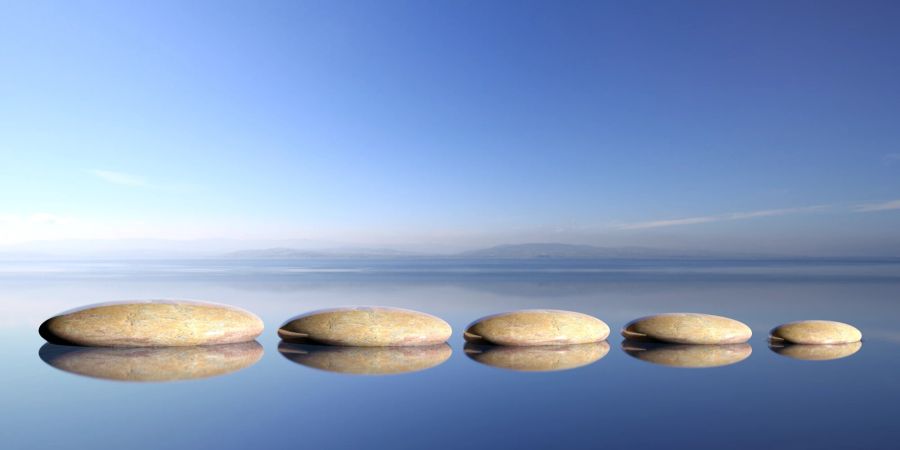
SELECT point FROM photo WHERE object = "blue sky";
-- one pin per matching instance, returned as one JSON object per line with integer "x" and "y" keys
{"x": 720, "y": 125}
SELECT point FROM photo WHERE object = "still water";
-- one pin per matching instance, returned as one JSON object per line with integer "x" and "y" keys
{"x": 614, "y": 395}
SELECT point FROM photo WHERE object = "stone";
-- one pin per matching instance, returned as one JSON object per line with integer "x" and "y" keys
{"x": 537, "y": 358}
{"x": 366, "y": 360}
{"x": 815, "y": 332}
{"x": 687, "y": 328}
{"x": 537, "y": 327}
{"x": 154, "y": 323}
{"x": 687, "y": 355}
{"x": 152, "y": 364}
{"x": 367, "y": 326}
{"x": 815, "y": 352}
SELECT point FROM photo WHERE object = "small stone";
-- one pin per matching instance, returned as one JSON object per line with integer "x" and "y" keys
{"x": 537, "y": 358}
{"x": 815, "y": 352}
{"x": 685, "y": 355}
{"x": 815, "y": 332}
{"x": 152, "y": 363}
{"x": 687, "y": 328}
{"x": 537, "y": 327}
{"x": 366, "y": 360}
{"x": 367, "y": 326}
{"x": 154, "y": 323}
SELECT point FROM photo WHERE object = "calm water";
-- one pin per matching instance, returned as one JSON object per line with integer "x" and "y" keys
{"x": 618, "y": 401}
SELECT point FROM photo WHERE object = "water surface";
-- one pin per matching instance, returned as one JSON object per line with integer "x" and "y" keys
{"x": 612, "y": 396}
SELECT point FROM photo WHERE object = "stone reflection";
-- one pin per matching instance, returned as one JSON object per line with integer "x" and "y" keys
{"x": 542, "y": 358}
{"x": 815, "y": 352}
{"x": 148, "y": 364}
{"x": 366, "y": 360}
{"x": 684, "y": 355}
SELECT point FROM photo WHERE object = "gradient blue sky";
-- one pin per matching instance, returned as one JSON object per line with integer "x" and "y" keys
{"x": 768, "y": 126}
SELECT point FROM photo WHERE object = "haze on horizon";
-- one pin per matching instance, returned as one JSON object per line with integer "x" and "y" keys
{"x": 767, "y": 127}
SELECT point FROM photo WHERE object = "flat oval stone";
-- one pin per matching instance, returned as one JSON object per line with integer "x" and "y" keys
{"x": 366, "y": 360}
{"x": 366, "y": 326}
{"x": 153, "y": 323}
{"x": 815, "y": 352}
{"x": 816, "y": 332}
{"x": 537, "y": 327}
{"x": 537, "y": 358}
{"x": 684, "y": 355}
{"x": 687, "y": 328}
{"x": 152, "y": 364}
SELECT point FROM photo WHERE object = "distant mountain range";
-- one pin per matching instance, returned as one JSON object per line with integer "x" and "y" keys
{"x": 552, "y": 250}
{"x": 291, "y": 253}
{"x": 302, "y": 249}
{"x": 516, "y": 251}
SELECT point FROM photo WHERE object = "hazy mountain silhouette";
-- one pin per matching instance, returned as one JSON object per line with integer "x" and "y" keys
{"x": 515, "y": 251}
{"x": 553, "y": 250}
{"x": 292, "y": 253}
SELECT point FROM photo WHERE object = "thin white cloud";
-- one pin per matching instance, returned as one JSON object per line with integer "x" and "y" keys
{"x": 668, "y": 223}
{"x": 16, "y": 229}
{"x": 883, "y": 206}
{"x": 719, "y": 217}
{"x": 120, "y": 178}
{"x": 892, "y": 157}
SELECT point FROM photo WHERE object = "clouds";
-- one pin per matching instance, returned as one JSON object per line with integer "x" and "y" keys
{"x": 18, "y": 229}
{"x": 855, "y": 208}
{"x": 883, "y": 206}
{"x": 137, "y": 181}
{"x": 720, "y": 217}
{"x": 23, "y": 227}
{"x": 61, "y": 225}
{"x": 120, "y": 178}
{"x": 36, "y": 219}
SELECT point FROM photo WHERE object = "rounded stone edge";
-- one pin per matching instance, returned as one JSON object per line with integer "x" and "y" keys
{"x": 303, "y": 338}
{"x": 635, "y": 336}
{"x": 46, "y": 333}
{"x": 775, "y": 338}
{"x": 474, "y": 338}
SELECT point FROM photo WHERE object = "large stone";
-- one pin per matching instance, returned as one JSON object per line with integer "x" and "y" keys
{"x": 537, "y": 358}
{"x": 369, "y": 326}
{"x": 684, "y": 355}
{"x": 155, "y": 323}
{"x": 366, "y": 360}
{"x": 815, "y": 352}
{"x": 815, "y": 332}
{"x": 537, "y": 327}
{"x": 152, "y": 364}
{"x": 687, "y": 328}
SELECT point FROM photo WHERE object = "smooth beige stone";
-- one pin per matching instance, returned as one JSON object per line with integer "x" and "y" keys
{"x": 816, "y": 332}
{"x": 688, "y": 328}
{"x": 366, "y": 326}
{"x": 815, "y": 352}
{"x": 687, "y": 355}
{"x": 153, "y": 323}
{"x": 538, "y": 358}
{"x": 152, "y": 363}
{"x": 366, "y": 360}
{"x": 537, "y": 327}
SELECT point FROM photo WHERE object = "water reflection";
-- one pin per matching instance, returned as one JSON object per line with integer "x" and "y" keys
{"x": 823, "y": 352}
{"x": 152, "y": 364}
{"x": 542, "y": 358}
{"x": 366, "y": 360}
{"x": 690, "y": 356}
